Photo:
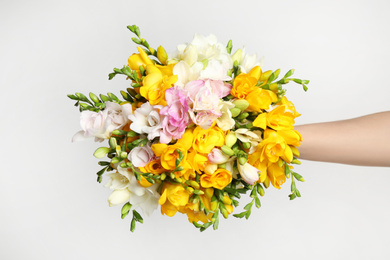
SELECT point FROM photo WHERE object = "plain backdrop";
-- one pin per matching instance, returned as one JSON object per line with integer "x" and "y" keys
{"x": 51, "y": 206}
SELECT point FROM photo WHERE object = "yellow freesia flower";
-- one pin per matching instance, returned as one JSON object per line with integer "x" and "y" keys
{"x": 277, "y": 119}
{"x": 206, "y": 139}
{"x": 172, "y": 198}
{"x": 244, "y": 84}
{"x": 290, "y": 106}
{"x": 219, "y": 179}
{"x": 137, "y": 60}
{"x": 157, "y": 81}
{"x": 260, "y": 99}
{"x": 276, "y": 174}
{"x": 154, "y": 167}
{"x": 168, "y": 154}
{"x": 274, "y": 146}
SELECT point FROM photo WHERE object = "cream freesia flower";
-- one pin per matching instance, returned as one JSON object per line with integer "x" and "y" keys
{"x": 247, "y": 136}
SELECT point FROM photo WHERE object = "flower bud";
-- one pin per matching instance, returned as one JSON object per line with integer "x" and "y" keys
{"x": 242, "y": 160}
{"x": 235, "y": 111}
{"x": 209, "y": 192}
{"x": 216, "y": 156}
{"x": 113, "y": 142}
{"x": 243, "y": 116}
{"x": 222, "y": 166}
{"x": 162, "y": 55}
{"x": 194, "y": 184}
{"x": 249, "y": 173}
{"x": 226, "y": 200}
{"x": 214, "y": 204}
{"x": 230, "y": 139}
{"x": 131, "y": 133}
{"x": 241, "y": 104}
{"x": 115, "y": 160}
{"x": 236, "y": 57}
{"x": 246, "y": 145}
{"x": 266, "y": 182}
{"x": 226, "y": 150}
{"x": 101, "y": 152}
{"x": 296, "y": 161}
{"x": 210, "y": 168}
{"x": 225, "y": 213}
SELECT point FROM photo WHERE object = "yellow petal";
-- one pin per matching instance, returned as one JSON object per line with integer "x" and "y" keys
{"x": 261, "y": 121}
{"x": 158, "y": 149}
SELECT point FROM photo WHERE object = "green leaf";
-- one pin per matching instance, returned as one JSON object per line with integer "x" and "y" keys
{"x": 257, "y": 201}
{"x": 105, "y": 98}
{"x": 73, "y": 97}
{"x": 241, "y": 215}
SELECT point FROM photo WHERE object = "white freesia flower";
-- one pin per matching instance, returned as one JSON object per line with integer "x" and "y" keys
{"x": 101, "y": 124}
{"x": 118, "y": 180}
{"x": 249, "y": 173}
{"x": 118, "y": 197}
{"x": 141, "y": 197}
{"x": 147, "y": 120}
{"x": 141, "y": 156}
{"x": 247, "y": 62}
{"x": 144, "y": 198}
{"x": 253, "y": 137}
{"x": 225, "y": 122}
{"x": 205, "y": 56}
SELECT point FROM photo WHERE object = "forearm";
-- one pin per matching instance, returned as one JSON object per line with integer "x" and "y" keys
{"x": 359, "y": 141}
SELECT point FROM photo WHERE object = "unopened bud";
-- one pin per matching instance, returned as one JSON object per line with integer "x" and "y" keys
{"x": 162, "y": 55}
{"x": 123, "y": 165}
{"x": 236, "y": 57}
{"x": 210, "y": 168}
{"x": 226, "y": 200}
{"x": 235, "y": 111}
{"x": 241, "y": 104}
{"x": 225, "y": 213}
{"x": 246, "y": 145}
{"x": 190, "y": 190}
{"x": 242, "y": 160}
{"x": 198, "y": 192}
{"x": 242, "y": 116}
{"x": 214, "y": 205}
{"x": 123, "y": 155}
{"x": 113, "y": 142}
{"x": 101, "y": 152}
{"x": 222, "y": 166}
{"x": 230, "y": 139}
{"x": 266, "y": 183}
{"x": 260, "y": 190}
{"x": 131, "y": 134}
{"x": 226, "y": 150}
{"x": 209, "y": 192}
{"x": 296, "y": 161}
{"x": 115, "y": 160}
{"x": 119, "y": 132}
{"x": 194, "y": 184}
{"x": 163, "y": 176}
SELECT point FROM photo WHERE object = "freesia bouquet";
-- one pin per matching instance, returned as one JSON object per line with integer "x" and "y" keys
{"x": 194, "y": 130}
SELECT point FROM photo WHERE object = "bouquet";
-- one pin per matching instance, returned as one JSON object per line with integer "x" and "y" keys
{"x": 193, "y": 132}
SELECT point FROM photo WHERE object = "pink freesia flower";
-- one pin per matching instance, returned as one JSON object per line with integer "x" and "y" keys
{"x": 101, "y": 124}
{"x": 176, "y": 117}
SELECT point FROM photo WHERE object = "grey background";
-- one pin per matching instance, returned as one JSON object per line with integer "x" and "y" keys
{"x": 51, "y": 207}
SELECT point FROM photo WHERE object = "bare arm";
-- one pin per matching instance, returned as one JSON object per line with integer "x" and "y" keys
{"x": 359, "y": 141}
